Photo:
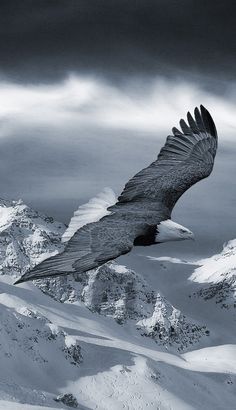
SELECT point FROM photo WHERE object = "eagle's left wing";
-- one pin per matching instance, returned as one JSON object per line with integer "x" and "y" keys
{"x": 186, "y": 158}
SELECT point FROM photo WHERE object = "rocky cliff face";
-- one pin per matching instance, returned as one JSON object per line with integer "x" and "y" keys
{"x": 169, "y": 327}
{"x": 112, "y": 290}
{"x": 115, "y": 291}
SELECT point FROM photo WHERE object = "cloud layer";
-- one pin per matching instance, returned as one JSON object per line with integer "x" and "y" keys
{"x": 81, "y": 102}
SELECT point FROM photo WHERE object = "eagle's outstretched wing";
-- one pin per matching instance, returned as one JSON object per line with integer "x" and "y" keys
{"x": 186, "y": 158}
{"x": 91, "y": 246}
{"x": 148, "y": 198}
{"x": 92, "y": 211}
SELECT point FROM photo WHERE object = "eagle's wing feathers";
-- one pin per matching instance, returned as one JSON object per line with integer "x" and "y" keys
{"x": 186, "y": 158}
{"x": 92, "y": 211}
{"x": 91, "y": 246}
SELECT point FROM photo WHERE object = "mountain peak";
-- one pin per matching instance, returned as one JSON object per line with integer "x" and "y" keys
{"x": 26, "y": 237}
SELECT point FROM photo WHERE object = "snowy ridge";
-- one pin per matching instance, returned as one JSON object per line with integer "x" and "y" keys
{"x": 29, "y": 332}
{"x": 218, "y": 274}
{"x": 26, "y": 237}
{"x": 217, "y": 267}
{"x": 169, "y": 327}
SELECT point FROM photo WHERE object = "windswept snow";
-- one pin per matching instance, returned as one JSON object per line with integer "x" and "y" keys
{"x": 217, "y": 274}
{"x": 120, "y": 368}
{"x": 217, "y": 267}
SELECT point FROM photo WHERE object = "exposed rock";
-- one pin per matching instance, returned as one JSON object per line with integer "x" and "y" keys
{"x": 222, "y": 292}
{"x": 113, "y": 290}
{"x": 68, "y": 399}
{"x": 116, "y": 291}
{"x": 28, "y": 332}
{"x": 64, "y": 288}
{"x": 169, "y": 327}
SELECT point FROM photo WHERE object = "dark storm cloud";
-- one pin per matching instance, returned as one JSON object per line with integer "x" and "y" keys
{"x": 43, "y": 40}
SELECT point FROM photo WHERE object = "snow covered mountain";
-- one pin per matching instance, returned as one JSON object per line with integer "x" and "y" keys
{"x": 26, "y": 237}
{"x": 118, "y": 340}
{"x": 118, "y": 292}
{"x": 55, "y": 355}
{"x": 215, "y": 276}
{"x": 218, "y": 274}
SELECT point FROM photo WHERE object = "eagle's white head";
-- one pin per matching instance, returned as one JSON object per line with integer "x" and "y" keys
{"x": 171, "y": 231}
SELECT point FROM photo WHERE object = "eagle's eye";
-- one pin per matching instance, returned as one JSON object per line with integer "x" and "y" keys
{"x": 183, "y": 231}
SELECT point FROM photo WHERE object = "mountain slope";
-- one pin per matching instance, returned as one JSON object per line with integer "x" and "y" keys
{"x": 120, "y": 368}
{"x": 118, "y": 292}
{"x": 118, "y": 341}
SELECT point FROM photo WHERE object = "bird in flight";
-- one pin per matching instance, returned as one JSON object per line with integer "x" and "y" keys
{"x": 106, "y": 228}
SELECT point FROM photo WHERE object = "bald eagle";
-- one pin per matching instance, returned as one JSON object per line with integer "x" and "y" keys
{"x": 106, "y": 228}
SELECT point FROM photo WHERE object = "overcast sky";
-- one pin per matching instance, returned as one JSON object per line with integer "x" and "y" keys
{"x": 43, "y": 40}
{"x": 89, "y": 90}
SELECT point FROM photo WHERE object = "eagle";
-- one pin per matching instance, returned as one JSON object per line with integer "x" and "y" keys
{"x": 106, "y": 228}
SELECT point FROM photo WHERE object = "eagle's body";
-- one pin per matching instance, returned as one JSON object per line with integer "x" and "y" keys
{"x": 142, "y": 214}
